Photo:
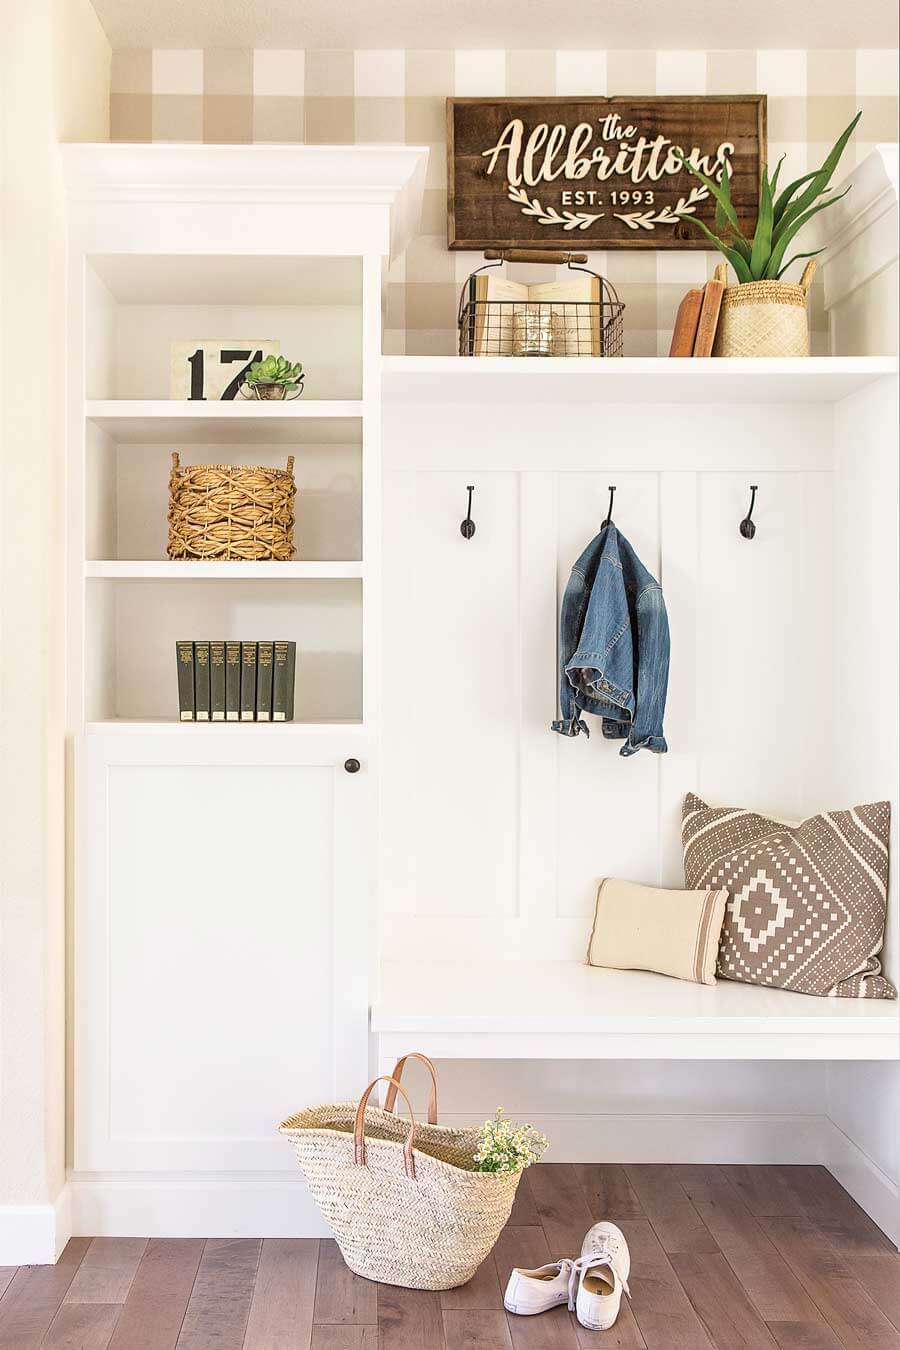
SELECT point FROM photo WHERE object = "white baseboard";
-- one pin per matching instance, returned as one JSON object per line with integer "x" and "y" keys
{"x": 675, "y": 1138}
{"x": 870, "y": 1187}
{"x": 279, "y": 1205}
{"x": 34, "y": 1235}
{"x": 194, "y": 1205}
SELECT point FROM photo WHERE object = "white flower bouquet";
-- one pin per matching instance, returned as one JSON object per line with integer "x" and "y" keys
{"x": 504, "y": 1147}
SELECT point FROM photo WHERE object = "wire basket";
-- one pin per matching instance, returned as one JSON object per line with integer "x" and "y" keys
{"x": 568, "y": 318}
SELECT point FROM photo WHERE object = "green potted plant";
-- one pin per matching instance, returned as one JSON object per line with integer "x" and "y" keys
{"x": 764, "y": 315}
{"x": 274, "y": 378}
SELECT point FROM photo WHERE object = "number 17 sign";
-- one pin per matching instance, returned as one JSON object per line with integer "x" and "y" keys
{"x": 215, "y": 368}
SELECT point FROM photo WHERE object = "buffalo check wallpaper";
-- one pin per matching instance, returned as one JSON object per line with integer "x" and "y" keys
{"x": 347, "y": 97}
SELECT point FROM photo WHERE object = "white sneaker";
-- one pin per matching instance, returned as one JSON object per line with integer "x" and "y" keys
{"x": 535, "y": 1291}
{"x": 600, "y": 1274}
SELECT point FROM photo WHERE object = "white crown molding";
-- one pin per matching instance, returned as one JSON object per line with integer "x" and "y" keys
{"x": 873, "y": 184}
{"x": 308, "y": 175}
{"x": 859, "y": 233}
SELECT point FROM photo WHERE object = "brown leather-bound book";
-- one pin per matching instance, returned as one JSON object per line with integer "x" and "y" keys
{"x": 686, "y": 321}
{"x": 709, "y": 318}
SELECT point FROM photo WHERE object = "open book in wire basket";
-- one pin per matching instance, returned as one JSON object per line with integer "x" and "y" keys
{"x": 578, "y": 316}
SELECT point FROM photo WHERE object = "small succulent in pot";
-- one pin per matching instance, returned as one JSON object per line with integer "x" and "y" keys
{"x": 274, "y": 378}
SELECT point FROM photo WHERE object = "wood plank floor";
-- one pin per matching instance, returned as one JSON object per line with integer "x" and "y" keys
{"x": 736, "y": 1258}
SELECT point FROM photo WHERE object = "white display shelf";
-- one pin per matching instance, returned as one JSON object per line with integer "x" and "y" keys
{"x": 223, "y": 571}
{"x": 639, "y": 380}
{"x": 152, "y": 421}
{"x": 167, "y": 726}
{"x": 567, "y": 1010}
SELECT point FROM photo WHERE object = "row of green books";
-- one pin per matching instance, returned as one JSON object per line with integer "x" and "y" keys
{"x": 236, "y": 681}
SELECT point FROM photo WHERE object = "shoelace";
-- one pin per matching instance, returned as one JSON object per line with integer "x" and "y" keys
{"x": 602, "y": 1256}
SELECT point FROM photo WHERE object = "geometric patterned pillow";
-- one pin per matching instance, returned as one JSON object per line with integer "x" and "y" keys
{"x": 808, "y": 902}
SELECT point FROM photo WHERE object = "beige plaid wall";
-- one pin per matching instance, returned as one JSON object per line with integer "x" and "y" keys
{"x": 339, "y": 97}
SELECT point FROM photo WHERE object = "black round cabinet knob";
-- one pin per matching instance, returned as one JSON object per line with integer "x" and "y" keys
{"x": 352, "y": 765}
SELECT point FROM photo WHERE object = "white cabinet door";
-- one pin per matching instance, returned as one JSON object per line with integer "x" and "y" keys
{"x": 221, "y": 935}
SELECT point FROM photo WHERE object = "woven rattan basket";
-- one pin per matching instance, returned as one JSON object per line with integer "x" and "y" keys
{"x": 402, "y": 1200}
{"x": 225, "y": 511}
{"x": 765, "y": 318}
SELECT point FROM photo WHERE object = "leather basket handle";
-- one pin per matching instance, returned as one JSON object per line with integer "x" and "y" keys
{"x": 359, "y": 1128}
{"x": 391, "y": 1095}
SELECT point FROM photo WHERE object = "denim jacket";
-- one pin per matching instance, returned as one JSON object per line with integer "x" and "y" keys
{"x": 614, "y": 646}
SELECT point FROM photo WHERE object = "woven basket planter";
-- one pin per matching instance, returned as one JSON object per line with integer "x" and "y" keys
{"x": 224, "y": 512}
{"x": 403, "y": 1201}
{"x": 765, "y": 318}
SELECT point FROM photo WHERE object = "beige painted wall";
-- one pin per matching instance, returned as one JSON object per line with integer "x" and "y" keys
{"x": 54, "y": 82}
{"x": 82, "y": 62}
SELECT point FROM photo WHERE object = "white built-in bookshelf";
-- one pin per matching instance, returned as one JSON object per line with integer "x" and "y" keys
{"x": 220, "y": 871}
{"x": 226, "y": 946}
{"x": 135, "y": 603}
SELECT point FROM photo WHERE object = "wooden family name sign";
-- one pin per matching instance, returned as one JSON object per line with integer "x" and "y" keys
{"x": 598, "y": 172}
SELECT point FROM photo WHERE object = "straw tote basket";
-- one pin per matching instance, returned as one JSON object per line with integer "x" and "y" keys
{"x": 402, "y": 1199}
{"x": 764, "y": 318}
{"x": 225, "y": 512}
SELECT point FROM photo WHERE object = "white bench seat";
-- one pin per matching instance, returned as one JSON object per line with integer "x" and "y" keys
{"x": 567, "y": 1010}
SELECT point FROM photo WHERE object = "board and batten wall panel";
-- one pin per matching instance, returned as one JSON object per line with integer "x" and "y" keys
{"x": 496, "y": 829}
{"x": 452, "y": 696}
{"x": 763, "y": 669}
{"x": 864, "y": 1099}
{"x": 607, "y": 807}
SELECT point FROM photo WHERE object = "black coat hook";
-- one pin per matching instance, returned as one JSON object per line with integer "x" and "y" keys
{"x": 608, "y": 520}
{"x": 747, "y": 528}
{"x": 467, "y": 528}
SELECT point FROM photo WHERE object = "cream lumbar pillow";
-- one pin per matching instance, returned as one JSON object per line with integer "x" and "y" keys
{"x": 644, "y": 928}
